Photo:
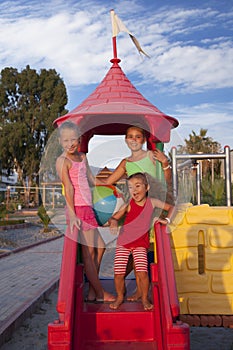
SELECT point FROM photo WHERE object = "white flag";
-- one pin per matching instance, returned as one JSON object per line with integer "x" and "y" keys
{"x": 118, "y": 26}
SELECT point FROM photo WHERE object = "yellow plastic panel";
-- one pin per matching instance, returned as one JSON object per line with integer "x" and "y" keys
{"x": 221, "y": 237}
{"x": 218, "y": 261}
{"x": 179, "y": 260}
{"x": 185, "y": 237}
{"x": 192, "y": 282}
{"x": 204, "y": 214}
{"x": 222, "y": 283}
{"x": 210, "y": 305}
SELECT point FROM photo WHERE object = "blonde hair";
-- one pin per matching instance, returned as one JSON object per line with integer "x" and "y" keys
{"x": 69, "y": 125}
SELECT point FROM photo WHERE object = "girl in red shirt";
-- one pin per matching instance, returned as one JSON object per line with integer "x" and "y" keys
{"x": 134, "y": 237}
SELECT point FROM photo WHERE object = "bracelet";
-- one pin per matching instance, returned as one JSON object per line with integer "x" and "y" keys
{"x": 167, "y": 167}
{"x": 168, "y": 220}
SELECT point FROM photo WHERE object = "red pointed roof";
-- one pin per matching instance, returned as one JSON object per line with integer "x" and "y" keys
{"x": 114, "y": 105}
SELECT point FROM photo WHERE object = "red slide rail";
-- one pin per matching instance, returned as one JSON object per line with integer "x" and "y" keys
{"x": 60, "y": 331}
{"x": 174, "y": 333}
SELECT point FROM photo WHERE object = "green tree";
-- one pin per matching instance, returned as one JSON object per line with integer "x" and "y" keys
{"x": 52, "y": 151}
{"x": 212, "y": 185}
{"x": 30, "y": 101}
{"x": 203, "y": 144}
{"x": 200, "y": 143}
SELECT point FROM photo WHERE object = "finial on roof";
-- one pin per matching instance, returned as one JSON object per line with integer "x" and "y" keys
{"x": 115, "y": 60}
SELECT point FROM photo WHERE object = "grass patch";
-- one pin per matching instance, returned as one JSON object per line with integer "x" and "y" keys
{"x": 11, "y": 222}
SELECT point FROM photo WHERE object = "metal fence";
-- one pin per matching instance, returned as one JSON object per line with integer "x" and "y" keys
{"x": 190, "y": 159}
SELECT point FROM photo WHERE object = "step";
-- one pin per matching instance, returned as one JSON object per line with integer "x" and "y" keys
{"x": 129, "y": 322}
{"x": 113, "y": 345}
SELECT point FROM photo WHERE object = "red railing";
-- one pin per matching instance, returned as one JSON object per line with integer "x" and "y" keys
{"x": 170, "y": 332}
{"x": 175, "y": 334}
{"x": 60, "y": 332}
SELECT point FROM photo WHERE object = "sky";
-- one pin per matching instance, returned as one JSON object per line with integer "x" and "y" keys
{"x": 189, "y": 74}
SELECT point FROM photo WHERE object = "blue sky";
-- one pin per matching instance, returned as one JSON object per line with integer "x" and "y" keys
{"x": 189, "y": 75}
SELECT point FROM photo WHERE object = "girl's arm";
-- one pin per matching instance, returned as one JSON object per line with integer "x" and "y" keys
{"x": 90, "y": 176}
{"x": 166, "y": 206}
{"x": 115, "y": 176}
{"x": 62, "y": 166}
{"x": 113, "y": 221}
{"x": 122, "y": 210}
{"x": 160, "y": 156}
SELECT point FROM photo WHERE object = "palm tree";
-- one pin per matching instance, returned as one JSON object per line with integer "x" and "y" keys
{"x": 203, "y": 144}
{"x": 212, "y": 184}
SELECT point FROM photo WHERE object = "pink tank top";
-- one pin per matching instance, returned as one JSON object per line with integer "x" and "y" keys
{"x": 78, "y": 177}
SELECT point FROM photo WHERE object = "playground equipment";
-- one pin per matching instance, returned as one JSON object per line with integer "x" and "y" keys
{"x": 110, "y": 110}
{"x": 198, "y": 157}
{"x": 84, "y": 326}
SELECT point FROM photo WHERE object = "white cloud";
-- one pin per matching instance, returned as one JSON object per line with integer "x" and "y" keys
{"x": 215, "y": 117}
{"x": 77, "y": 43}
{"x": 191, "y": 49}
{"x": 68, "y": 41}
{"x": 193, "y": 69}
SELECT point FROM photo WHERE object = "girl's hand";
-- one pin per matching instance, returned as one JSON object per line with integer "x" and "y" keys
{"x": 161, "y": 221}
{"x": 160, "y": 156}
{"x": 75, "y": 222}
{"x": 113, "y": 226}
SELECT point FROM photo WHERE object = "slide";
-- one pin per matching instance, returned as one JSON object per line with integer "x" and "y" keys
{"x": 86, "y": 326}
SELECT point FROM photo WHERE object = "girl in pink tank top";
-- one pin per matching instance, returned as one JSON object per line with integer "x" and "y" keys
{"x": 75, "y": 174}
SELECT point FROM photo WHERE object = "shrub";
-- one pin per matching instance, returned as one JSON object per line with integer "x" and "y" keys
{"x": 45, "y": 219}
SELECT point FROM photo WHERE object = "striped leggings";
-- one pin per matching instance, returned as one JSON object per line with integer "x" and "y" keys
{"x": 122, "y": 256}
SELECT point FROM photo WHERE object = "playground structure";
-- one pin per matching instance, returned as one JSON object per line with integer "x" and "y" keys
{"x": 202, "y": 243}
{"x": 195, "y": 159}
{"x": 96, "y": 326}
{"x": 195, "y": 257}
{"x": 110, "y": 110}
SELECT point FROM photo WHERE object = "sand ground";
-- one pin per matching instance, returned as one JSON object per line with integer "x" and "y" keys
{"x": 32, "y": 335}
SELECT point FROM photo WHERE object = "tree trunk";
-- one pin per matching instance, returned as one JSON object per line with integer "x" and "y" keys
{"x": 26, "y": 193}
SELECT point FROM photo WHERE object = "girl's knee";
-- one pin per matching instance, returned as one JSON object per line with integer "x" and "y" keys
{"x": 142, "y": 274}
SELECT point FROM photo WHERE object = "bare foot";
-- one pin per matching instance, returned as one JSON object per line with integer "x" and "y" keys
{"x": 107, "y": 297}
{"x": 147, "y": 305}
{"x": 91, "y": 296}
{"x": 134, "y": 297}
{"x": 116, "y": 304}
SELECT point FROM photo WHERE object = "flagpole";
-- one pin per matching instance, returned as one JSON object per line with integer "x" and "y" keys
{"x": 114, "y": 46}
{"x": 115, "y": 59}
{"x": 114, "y": 35}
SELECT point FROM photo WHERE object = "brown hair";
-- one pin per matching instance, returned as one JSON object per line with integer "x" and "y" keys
{"x": 141, "y": 176}
{"x": 141, "y": 130}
